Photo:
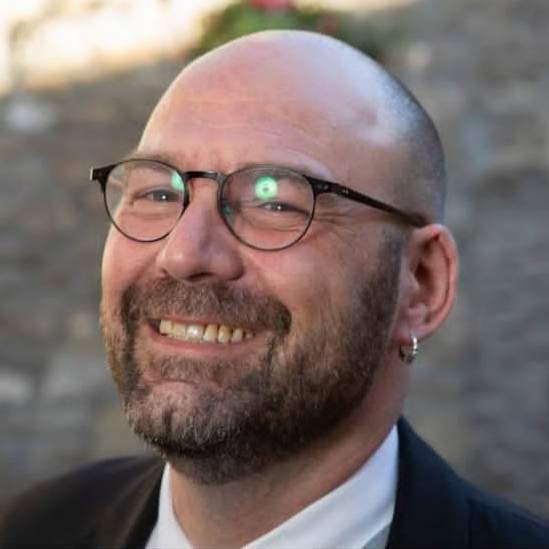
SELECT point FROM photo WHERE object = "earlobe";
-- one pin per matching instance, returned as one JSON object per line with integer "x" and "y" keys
{"x": 429, "y": 282}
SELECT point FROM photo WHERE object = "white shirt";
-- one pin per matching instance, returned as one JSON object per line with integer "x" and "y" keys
{"x": 356, "y": 514}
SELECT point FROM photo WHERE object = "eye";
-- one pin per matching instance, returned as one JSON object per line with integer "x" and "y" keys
{"x": 158, "y": 195}
{"x": 281, "y": 207}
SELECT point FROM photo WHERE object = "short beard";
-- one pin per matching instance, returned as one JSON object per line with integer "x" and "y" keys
{"x": 266, "y": 407}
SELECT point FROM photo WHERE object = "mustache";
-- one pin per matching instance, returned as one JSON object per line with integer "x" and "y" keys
{"x": 233, "y": 306}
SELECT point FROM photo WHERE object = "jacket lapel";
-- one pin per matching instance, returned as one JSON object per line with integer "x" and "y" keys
{"x": 129, "y": 519}
{"x": 431, "y": 507}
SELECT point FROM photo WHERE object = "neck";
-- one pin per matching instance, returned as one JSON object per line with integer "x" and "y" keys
{"x": 235, "y": 513}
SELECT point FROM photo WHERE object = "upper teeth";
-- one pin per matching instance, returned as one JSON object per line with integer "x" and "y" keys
{"x": 220, "y": 333}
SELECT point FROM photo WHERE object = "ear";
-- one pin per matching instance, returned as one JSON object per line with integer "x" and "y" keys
{"x": 428, "y": 281}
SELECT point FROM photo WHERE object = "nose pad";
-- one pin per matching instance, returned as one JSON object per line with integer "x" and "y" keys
{"x": 200, "y": 247}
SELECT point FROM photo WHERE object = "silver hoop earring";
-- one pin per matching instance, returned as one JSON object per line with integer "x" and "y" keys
{"x": 408, "y": 354}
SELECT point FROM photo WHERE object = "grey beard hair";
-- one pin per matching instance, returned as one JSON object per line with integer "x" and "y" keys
{"x": 270, "y": 406}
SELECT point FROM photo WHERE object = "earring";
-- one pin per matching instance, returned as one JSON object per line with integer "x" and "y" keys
{"x": 408, "y": 354}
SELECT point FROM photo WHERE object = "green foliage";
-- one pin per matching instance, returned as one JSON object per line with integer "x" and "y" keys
{"x": 241, "y": 18}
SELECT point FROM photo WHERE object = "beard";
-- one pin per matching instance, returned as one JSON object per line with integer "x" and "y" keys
{"x": 233, "y": 418}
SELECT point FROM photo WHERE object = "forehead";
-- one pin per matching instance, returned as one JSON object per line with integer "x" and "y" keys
{"x": 224, "y": 136}
{"x": 227, "y": 111}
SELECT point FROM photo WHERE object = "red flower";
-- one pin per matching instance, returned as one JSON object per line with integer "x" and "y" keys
{"x": 271, "y": 4}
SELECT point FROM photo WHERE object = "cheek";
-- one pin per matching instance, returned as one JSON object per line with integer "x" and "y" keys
{"x": 310, "y": 284}
{"x": 124, "y": 263}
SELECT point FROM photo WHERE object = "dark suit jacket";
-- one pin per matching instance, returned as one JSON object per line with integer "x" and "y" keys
{"x": 115, "y": 504}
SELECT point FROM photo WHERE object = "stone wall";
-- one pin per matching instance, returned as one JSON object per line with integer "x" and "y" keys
{"x": 481, "y": 390}
{"x": 480, "y": 386}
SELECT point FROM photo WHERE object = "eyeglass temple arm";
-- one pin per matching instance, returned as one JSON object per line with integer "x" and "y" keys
{"x": 100, "y": 174}
{"x": 413, "y": 219}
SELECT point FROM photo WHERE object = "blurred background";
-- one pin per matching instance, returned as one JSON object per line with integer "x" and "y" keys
{"x": 78, "y": 79}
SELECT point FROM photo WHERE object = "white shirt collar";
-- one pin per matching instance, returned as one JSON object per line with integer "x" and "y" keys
{"x": 350, "y": 516}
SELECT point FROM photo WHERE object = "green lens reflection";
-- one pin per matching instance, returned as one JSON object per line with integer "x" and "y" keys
{"x": 177, "y": 182}
{"x": 266, "y": 187}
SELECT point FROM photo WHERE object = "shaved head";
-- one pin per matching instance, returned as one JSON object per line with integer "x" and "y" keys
{"x": 325, "y": 89}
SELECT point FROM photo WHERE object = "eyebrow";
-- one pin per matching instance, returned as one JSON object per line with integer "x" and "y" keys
{"x": 136, "y": 153}
{"x": 173, "y": 161}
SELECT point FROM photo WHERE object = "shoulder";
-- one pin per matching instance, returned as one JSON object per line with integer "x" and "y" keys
{"x": 64, "y": 506}
{"x": 435, "y": 507}
{"x": 499, "y": 523}
{"x": 96, "y": 481}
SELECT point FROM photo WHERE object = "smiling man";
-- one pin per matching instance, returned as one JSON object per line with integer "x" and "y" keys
{"x": 276, "y": 256}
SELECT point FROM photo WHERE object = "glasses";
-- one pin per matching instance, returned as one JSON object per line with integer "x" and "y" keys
{"x": 265, "y": 207}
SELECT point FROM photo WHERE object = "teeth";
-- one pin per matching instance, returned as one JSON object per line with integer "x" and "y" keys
{"x": 209, "y": 333}
{"x": 166, "y": 327}
{"x": 224, "y": 334}
{"x": 178, "y": 330}
{"x": 237, "y": 336}
{"x": 194, "y": 332}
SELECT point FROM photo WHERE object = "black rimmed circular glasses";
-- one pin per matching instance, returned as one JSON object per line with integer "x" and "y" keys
{"x": 265, "y": 207}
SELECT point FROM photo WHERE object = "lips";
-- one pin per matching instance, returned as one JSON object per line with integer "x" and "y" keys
{"x": 203, "y": 333}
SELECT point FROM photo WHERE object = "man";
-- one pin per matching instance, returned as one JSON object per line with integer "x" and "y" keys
{"x": 276, "y": 256}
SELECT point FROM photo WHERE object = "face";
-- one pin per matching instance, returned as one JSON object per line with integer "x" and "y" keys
{"x": 309, "y": 325}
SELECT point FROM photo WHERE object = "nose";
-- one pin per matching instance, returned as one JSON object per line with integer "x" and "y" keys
{"x": 200, "y": 248}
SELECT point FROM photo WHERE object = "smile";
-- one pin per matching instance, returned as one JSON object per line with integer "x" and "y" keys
{"x": 203, "y": 333}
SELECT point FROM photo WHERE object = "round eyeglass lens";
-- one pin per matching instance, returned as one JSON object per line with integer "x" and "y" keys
{"x": 267, "y": 207}
{"x": 144, "y": 199}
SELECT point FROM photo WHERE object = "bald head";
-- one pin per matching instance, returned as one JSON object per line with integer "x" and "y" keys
{"x": 329, "y": 318}
{"x": 342, "y": 103}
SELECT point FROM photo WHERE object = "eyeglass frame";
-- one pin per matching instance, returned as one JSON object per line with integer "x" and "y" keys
{"x": 318, "y": 187}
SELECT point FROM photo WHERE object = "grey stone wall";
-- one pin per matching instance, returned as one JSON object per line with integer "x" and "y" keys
{"x": 480, "y": 388}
